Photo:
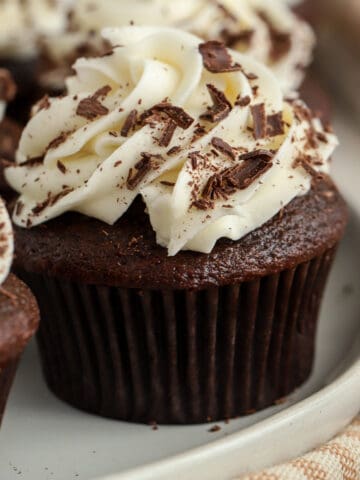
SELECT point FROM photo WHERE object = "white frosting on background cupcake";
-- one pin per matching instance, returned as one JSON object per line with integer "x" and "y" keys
{"x": 23, "y": 21}
{"x": 202, "y": 133}
{"x": 6, "y": 243}
{"x": 267, "y": 29}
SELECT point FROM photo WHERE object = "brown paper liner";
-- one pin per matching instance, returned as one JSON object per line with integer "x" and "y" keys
{"x": 7, "y": 376}
{"x": 180, "y": 356}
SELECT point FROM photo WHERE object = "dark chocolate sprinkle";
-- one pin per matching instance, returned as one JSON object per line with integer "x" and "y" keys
{"x": 141, "y": 169}
{"x": 217, "y": 58}
{"x": 177, "y": 114}
{"x": 129, "y": 123}
{"x": 221, "y": 108}
{"x": 275, "y": 124}
{"x": 61, "y": 166}
{"x": 223, "y": 147}
{"x": 239, "y": 177}
{"x": 259, "y": 116}
{"x": 168, "y": 132}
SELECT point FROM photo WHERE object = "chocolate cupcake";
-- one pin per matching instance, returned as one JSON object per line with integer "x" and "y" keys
{"x": 10, "y": 131}
{"x": 269, "y": 31}
{"x": 22, "y": 24}
{"x": 177, "y": 222}
{"x": 19, "y": 314}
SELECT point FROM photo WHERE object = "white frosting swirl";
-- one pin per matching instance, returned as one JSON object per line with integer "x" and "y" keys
{"x": 90, "y": 167}
{"x": 269, "y": 29}
{"x": 23, "y": 21}
{"x": 6, "y": 243}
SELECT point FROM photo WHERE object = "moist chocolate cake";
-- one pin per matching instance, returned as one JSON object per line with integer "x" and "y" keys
{"x": 178, "y": 229}
{"x": 79, "y": 249}
{"x": 19, "y": 314}
{"x": 19, "y": 319}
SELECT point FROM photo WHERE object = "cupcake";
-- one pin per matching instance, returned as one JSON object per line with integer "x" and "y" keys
{"x": 22, "y": 23}
{"x": 177, "y": 222}
{"x": 269, "y": 30}
{"x": 9, "y": 130}
{"x": 19, "y": 315}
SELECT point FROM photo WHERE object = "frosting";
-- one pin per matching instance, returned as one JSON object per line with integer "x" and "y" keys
{"x": 267, "y": 29}
{"x": 6, "y": 243}
{"x": 202, "y": 133}
{"x": 22, "y": 21}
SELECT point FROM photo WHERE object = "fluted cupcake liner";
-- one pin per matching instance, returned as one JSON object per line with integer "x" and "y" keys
{"x": 7, "y": 376}
{"x": 180, "y": 356}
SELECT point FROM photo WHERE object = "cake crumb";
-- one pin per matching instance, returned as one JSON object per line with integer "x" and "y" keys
{"x": 214, "y": 429}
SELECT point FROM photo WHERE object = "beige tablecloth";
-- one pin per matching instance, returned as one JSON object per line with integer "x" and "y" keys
{"x": 338, "y": 460}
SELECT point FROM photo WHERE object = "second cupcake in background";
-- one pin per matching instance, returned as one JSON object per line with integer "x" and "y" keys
{"x": 10, "y": 131}
{"x": 177, "y": 222}
{"x": 19, "y": 314}
{"x": 266, "y": 29}
{"x": 22, "y": 24}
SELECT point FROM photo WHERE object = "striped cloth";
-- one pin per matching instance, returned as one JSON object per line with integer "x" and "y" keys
{"x": 338, "y": 460}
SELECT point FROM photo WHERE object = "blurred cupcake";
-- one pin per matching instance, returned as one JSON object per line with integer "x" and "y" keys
{"x": 19, "y": 315}
{"x": 269, "y": 30}
{"x": 10, "y": 131}
{"x": 177, "y": 222}
{"x": 22, "y": 23}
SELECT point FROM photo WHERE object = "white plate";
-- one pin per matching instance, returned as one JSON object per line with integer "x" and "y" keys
{"x": 45, "y": 439}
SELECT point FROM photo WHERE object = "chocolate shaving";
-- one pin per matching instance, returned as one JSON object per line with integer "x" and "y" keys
{"x": 239, "y": 177}
{"x": 168, "y": 132}
{"x": 7, "y": 86}
{"x": 19, "y": 207}
{"x": 102, "y": 92}
{"x": 203, "y": 204}
{"x": 141, "y": 169}
{"x": 321, "y": 137}
{"x": 217, "y": 58}
{"x": 129, "y": 123}
{"x": 167, "y": 184}
{"x": 58, "y": 140}
{"x": 311, "y": 139}
{"x": 275, "y": 124}
{"x": 259, "y": 116}
{"x": 61, "y": 167}
{"x": 264, "y": 154}
{"x": 174, "y": 150}
{"x": 50, "y": 201}
{"x": 221, "y": 108}
{"x": 177, "y": 114}
{"x": 91, "y": 108}
{"x": 243, "y": 101}
{"x": 306, "y": 163}
{"x": 32, "y": 162}
{"x": 194, "y": 157}
{"x": 223, "y": 147}
{"x": 43, "y": 103}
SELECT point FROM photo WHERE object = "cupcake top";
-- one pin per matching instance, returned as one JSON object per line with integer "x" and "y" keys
{"x": 23, "y": 21}
{"x": 267, "y": 29}
{"x": 7, "y": 90}
{"x": 6, "y": 243}
{"x": 201, "y": 132}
